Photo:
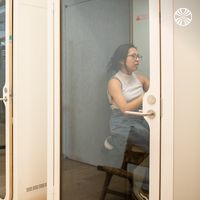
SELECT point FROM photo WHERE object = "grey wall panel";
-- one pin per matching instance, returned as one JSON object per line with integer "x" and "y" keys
{"x": 91, "y": 32}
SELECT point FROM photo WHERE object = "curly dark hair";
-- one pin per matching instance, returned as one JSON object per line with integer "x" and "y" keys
{"x": 119, "y": 55}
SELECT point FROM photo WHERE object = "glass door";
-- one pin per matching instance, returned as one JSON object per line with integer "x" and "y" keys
{"x": 104, "y": 40}
{"x": 91, "y": 31}
{"x": 5, "y": 99}
{"x": 2, "y": 105}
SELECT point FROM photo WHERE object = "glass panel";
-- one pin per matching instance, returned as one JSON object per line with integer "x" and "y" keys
{"x": 96, "y": 134}
{"x": 2, "y": 107}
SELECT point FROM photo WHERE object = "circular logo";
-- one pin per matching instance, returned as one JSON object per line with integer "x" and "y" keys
{"x": 183, "y": 16}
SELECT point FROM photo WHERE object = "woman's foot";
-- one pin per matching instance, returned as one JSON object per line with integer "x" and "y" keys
{"x": 107, "y": 145}
{"x": 142, "y": 195}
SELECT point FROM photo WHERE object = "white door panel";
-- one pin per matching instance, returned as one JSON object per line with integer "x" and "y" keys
{"x": 154, "y": 91}
{"x": 30, "y": 101}
{"x": 186, "y": 104}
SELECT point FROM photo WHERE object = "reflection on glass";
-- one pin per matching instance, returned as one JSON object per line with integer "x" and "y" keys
{"x": 2, "y": 108}
{"x": 91, "y": 32}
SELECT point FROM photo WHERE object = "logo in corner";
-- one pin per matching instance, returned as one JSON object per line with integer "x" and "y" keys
{"x": 183, "y": 16}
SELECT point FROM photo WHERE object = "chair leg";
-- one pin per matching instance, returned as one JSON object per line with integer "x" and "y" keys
{"x": 131, "y": 190}
{"x": 105, "y": 186}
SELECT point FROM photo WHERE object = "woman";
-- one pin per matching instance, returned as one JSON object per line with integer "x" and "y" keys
{"x": 125, "y": 93}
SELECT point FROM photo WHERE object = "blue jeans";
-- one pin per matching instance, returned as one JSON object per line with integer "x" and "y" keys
{"x": 120, "y": 126}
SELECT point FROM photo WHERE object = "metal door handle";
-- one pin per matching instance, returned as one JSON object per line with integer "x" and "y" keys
{"x": 3, "y": 99}
{"x": 149, "y": 113}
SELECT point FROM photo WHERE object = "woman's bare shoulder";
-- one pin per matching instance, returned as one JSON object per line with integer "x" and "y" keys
{"x": 114, "y": 82}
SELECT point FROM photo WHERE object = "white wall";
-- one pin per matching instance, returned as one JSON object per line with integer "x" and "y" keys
{"x": 187, "y": 106}
{"x": 30, "y": 99}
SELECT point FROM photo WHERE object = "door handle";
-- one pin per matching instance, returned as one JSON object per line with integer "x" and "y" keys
{"x": 149, "y": 113}
{"x": 3, "y": 99}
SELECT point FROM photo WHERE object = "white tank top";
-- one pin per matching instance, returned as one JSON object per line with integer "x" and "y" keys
{"x": 131, "y": 87}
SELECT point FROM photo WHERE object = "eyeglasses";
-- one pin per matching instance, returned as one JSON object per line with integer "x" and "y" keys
{"x": 136, "y": 56}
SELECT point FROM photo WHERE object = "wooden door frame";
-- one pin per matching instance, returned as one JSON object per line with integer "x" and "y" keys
{"x": 54, "y": 61}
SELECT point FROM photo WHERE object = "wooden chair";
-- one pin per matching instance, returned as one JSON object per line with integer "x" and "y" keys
{"x": 133, "y": 155}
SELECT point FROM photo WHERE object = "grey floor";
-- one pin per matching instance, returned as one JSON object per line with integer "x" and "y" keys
{"x": 84, "y": 182}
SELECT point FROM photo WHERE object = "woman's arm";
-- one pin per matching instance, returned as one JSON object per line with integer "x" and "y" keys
{"x": 144, "y": 80}
{"x": 115, "y": 91}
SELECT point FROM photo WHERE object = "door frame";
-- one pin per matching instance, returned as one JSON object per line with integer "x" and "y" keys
{"x": 53, "y": 95}
{"x": 7, "y": 93}
{"x": 166, "y": 75}
{"x": 167, "y": 100}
